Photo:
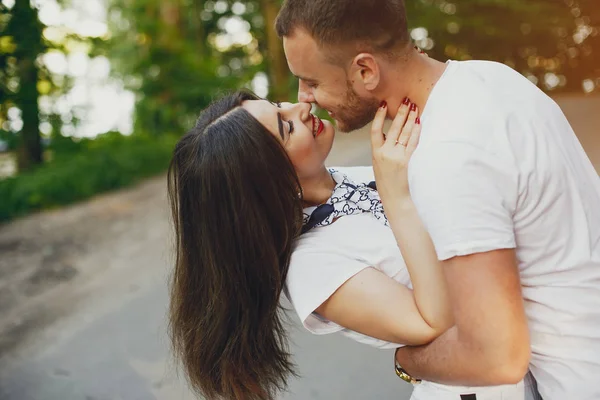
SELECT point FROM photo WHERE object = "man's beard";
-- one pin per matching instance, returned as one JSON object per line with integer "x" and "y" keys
{"x": 355, "y": 112}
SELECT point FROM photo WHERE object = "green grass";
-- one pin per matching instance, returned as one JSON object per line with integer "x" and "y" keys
{"x": 81, "y": 170}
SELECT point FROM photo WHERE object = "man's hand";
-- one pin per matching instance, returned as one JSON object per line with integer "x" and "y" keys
{"x": 489, "y": 345}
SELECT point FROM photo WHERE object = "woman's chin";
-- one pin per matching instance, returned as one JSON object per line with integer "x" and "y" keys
{"x": 328, "y": 130}
{"x": 325, "y": 139}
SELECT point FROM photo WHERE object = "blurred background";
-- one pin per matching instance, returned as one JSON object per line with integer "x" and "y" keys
{"x": 93, "y": 96}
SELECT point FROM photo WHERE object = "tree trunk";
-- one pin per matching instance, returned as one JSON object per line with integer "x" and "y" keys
{"x": 27, "y": 35}
{"x": 279, "y": 74}
{"x": 30, "y": 148}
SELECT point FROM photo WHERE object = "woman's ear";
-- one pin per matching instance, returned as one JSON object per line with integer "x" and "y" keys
{"x": 365, "y": 71}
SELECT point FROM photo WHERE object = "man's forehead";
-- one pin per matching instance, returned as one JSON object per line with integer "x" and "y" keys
{"x": 304, "y": 56}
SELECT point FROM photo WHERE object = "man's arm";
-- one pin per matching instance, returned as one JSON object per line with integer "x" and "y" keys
{"x": 489, "y": 344}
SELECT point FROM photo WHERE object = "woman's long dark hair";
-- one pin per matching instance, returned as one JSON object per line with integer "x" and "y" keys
{"x": 236, "y": 211}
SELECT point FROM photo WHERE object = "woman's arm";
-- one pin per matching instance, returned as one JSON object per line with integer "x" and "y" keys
{"x": 375, "y": 305}
{"x": 372, "y": 303}
{"x": 391, "y": 155}
{"x": 428, "y": 280}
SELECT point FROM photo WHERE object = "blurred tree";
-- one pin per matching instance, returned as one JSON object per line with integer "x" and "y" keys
{"x": 279, "y": 74}
{"x": 178, "y": 55}
{"x": 20, "y": 45}
{"x": 25, "y": 80}
{"x": 556, "y": 43}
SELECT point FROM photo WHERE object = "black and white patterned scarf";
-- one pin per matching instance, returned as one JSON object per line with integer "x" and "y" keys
{"x": 348, "y": 198}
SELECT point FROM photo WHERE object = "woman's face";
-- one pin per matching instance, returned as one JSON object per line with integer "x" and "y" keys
{"x": 306, "y": 138}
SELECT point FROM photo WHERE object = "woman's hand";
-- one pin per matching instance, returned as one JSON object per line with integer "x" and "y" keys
{"x": 391, "y": 154}
{"x": 392, "y": 151}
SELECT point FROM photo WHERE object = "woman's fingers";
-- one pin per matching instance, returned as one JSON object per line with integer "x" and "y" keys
{"x": 377, "y": 135}
{"x": 415, "y": 135}
{"x": 401, "y": 130}
{"x": 407, "y": 129}
{"x": 396, "y": 128}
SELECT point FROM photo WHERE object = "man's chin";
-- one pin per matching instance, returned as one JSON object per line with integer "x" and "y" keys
{"x": 347, "y": 128}
{"x": 341, "y": 128}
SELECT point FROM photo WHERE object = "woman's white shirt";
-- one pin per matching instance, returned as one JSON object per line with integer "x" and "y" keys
{"x": 326, "y": 257}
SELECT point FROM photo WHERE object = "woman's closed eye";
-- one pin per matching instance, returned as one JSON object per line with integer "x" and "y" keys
{"x": 280, "y": 122}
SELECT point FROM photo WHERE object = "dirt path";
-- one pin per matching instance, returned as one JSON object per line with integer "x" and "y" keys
{"x": 49, "y": 257}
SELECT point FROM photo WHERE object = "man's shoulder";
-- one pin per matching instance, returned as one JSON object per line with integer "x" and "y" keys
{"x": 477, "y": 89}
{"x": 476, "y": 99}
{"x": 480, "y": 73}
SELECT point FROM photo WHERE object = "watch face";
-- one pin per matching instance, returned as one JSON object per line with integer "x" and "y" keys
{"x": 402, "y": 374}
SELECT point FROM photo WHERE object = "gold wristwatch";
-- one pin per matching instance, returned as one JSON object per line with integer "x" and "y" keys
{"x": 402, "y": 374}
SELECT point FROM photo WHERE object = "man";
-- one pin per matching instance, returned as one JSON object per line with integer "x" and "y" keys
{"x": 509, "y": 197}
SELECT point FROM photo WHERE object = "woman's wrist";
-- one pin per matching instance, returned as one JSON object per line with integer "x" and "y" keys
{"x": 399, "y": 206}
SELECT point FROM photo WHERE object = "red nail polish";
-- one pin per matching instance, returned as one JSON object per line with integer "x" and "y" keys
{"x": 413, "y": 107}
{"x": 418, "y": 121}
{"x": 406, "y": 101}
{"x": 383, "y": 104}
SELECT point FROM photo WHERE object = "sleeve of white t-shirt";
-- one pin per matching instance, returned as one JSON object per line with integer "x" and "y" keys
{"x": 313, "y": 277}
{"x": 466, "y": 195}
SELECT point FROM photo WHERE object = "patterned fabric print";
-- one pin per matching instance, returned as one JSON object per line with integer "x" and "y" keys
{"x": 348, "y": 198}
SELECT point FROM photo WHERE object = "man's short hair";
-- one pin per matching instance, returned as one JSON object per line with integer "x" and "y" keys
{"x": 377, "y": 26}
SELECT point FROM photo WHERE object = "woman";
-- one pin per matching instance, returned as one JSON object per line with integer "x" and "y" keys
{"x": 244, "y": 184}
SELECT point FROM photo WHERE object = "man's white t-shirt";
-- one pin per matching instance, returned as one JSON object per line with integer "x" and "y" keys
{"x": 498, "y": 166}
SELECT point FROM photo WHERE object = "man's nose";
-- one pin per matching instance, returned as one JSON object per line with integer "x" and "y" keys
{"x": 304, "y": 110}
{"x": 299, "y": 110}
{"x": 305, "y": 94}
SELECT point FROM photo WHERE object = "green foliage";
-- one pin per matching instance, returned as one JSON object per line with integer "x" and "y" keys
{"x": 10, "y": 139}
{"x": 165, "y": 52}
{"x": 89, "y": 167}
{"x": 24, "y": 79}
{"x": 21, "y": 36}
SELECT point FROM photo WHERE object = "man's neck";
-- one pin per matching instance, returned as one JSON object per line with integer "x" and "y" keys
{"x": 415, "y": 79}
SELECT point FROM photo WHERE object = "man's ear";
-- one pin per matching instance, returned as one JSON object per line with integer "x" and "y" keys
{"x": 365, "y": 71}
